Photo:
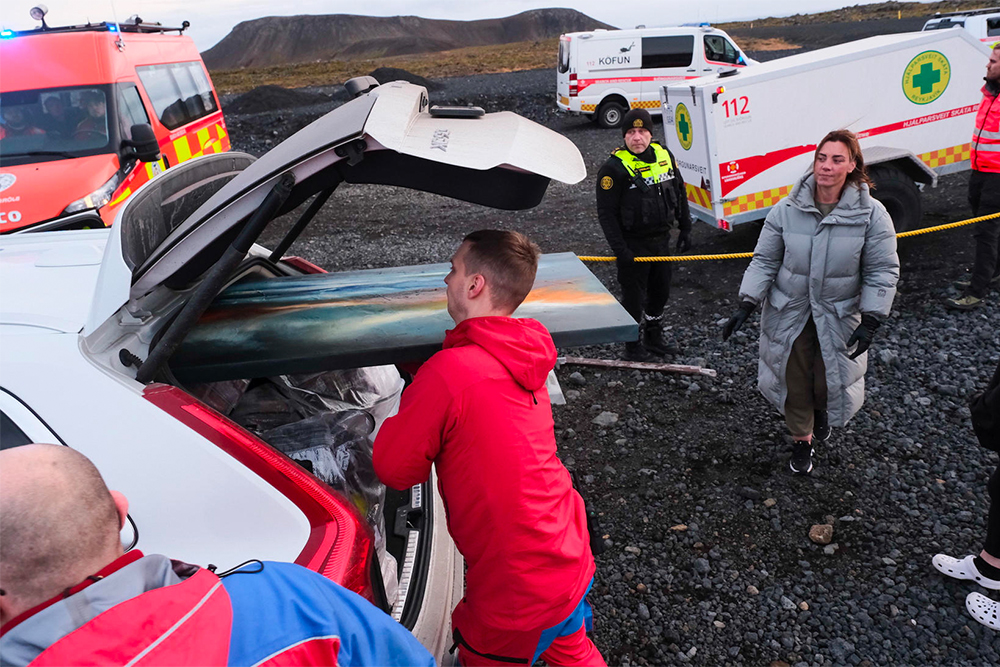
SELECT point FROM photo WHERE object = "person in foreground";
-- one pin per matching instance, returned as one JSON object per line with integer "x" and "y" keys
{"x": 984, "y": 569}
{"x": 71, "y": 596}
{"x": 825, "y": 268}
{"x": 479, "y": 411}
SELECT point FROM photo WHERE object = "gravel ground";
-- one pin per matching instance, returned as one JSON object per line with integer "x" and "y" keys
{"x": 709, "y": 559}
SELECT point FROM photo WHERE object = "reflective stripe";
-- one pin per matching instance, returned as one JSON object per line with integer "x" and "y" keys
{"x": 988, "y": 148}
{"x": 657, "y": 172}
{"x": 985, "y": 134}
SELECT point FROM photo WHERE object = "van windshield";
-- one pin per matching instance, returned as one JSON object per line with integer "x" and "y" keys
{"x": 944, "y": 24}
{"x": 55, "y": 123}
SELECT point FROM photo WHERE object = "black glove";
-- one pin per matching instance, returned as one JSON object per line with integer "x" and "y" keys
{"x": 624, "y": 258}
{"x": 684, "y": 241}
{"x": 737, "y": 320}
{"x": 863, "y": 334}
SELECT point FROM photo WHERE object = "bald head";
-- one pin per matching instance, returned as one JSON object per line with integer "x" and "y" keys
{"x": 59, "y": 524}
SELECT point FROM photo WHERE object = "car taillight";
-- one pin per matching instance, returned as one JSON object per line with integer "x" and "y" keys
{"x": 303, "y": 265}
{"x": 573, "y": 85}
{"x": 340, "y": 541}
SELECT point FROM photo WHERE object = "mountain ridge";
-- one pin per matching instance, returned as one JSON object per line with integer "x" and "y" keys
{"x": 286, "y": 40}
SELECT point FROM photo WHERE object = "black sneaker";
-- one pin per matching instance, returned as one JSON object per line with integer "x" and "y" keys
{"x": 821, "y": 426}
{"x": 801, "y": 462}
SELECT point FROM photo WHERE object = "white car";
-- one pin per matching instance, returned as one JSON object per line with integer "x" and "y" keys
{"x": 89, "y": 320}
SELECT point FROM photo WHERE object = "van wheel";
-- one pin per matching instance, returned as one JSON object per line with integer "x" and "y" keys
{"x": 610, "y": 114}
{"x": 899, "y": 194}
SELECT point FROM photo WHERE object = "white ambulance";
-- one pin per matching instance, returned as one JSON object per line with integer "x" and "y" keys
{"x": 604, "y": 73}
{"x": 983, "y": 24}
{"x": 741, "y": 141}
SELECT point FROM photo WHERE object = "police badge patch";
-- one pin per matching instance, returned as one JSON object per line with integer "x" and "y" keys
{"x": 607, "y": 183}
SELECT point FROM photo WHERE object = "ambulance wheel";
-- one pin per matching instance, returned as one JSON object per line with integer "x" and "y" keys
{"x": 899, "y": 194}
{"x": 610, "y": 114}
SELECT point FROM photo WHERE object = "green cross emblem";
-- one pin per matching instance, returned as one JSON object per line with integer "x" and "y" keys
{"x": 684, "y": 127}
{"x": 926, "y": 78}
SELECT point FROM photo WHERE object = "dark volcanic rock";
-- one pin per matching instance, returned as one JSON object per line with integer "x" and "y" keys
{"x": 387, "y": 74}
{"x": 269, "y": 98}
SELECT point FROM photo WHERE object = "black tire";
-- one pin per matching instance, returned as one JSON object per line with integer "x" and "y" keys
{"x": 611, "y": 114}
{"x": 899, "y": 194}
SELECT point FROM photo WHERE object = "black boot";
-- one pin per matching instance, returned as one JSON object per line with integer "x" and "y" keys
{"x": 653, "y": 340}
{"x": 634, "y": 351}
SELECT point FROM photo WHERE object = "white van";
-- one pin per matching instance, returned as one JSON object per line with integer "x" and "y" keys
{"x": 984, "y": 24}
{"x": 604, "y": 73}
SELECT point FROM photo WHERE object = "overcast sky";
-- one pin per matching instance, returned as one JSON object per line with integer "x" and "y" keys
{"x": 211, "y": 20}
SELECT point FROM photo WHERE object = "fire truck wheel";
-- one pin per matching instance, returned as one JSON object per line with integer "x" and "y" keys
{"x": 610, "y": 114}
{"x": 899, "y": 194}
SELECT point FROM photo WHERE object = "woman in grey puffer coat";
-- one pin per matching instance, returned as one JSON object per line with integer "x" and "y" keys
{"x": 825, "y": 268}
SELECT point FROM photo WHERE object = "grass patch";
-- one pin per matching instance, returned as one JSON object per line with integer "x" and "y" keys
{"x": 882, "y": 10}
{"x": 491, "y": 59}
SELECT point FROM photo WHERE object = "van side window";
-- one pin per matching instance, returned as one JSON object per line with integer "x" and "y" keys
{"x": 674, "y": 51}
{"x": 719, "y": 49}
{"x": 180, "y": 92}
{"x": 993, "y": 27}
{"x": 131, "y": 110}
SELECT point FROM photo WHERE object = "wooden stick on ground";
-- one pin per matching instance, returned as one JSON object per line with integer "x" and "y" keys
{"x": 639, "y": 366}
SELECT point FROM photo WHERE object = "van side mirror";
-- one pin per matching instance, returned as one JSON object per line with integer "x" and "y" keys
{"x": 143, "y": 144}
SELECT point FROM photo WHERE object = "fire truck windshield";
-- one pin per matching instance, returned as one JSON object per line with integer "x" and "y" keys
{"x": 56, "y": 123}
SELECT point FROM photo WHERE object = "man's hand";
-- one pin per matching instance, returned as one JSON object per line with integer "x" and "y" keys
{"x": 624, "y": 258}
{"x": 736, "y": 321}
{"x": 863, "y": 334}
{"x": 684, "y": 241}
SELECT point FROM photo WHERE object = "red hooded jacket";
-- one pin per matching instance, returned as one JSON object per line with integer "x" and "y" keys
{"x": 480, "y": 412}
{"x": 985, "y": 154}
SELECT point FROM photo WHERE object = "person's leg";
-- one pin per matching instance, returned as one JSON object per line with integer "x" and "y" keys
{"x": 631, "y": 280}
{"x": 984, "y": 197}
{"x": 573, "y": 649}
{"x": 567, "y": 643}
{"x": 800, "y": 381}
{"x": 821, "y": 424}
{"x": 657, "y": 293}
{"x": 991, "y": 548}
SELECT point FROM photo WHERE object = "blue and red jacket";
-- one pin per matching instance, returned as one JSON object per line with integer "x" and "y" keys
{"x": 282, "y": 614}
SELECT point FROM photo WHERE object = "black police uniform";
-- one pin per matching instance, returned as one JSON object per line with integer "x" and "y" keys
{"x": 637, "y": 219}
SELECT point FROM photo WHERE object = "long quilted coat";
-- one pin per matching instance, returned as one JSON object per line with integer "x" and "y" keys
{"x": 833, "y": 269}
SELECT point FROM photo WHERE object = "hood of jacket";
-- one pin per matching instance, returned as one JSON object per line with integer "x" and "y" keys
{"x": 523, "y": 346}
{"x": 855, "y": 203}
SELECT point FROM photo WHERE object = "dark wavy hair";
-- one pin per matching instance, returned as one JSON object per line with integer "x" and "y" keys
{"x": 846, "y": 137}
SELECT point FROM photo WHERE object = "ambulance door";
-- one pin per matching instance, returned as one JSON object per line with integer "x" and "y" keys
{"x": 666, "y": 59}
{"x": 686, "y": 120}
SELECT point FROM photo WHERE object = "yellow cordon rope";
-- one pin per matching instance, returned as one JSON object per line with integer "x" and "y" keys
{"x": 747, "y": 255}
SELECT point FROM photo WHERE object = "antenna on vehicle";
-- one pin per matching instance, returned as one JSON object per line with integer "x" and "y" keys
{"x": 120, "y": 43}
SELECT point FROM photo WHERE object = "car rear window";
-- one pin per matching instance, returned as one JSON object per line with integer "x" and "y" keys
{"x": 180, "y": 92}
{"x": 10, "y": 434}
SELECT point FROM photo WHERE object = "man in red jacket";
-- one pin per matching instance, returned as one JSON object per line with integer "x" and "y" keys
{"x": 479, "y": 411}
{"x": 984, "y": 191}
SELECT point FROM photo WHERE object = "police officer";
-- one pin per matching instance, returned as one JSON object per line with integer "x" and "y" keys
{"x": 640, "y": 194}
